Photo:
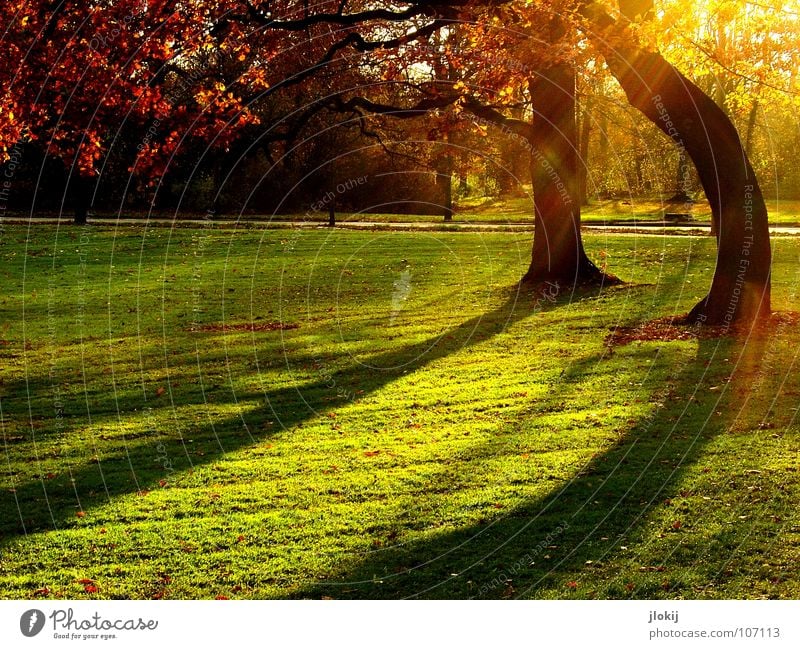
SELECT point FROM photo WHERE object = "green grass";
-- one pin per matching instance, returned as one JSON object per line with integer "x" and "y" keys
{"x": 424, "y": 430}
{"x": 487, "y": 210}
{"x": 482, "y": 210}
{"x": 479, "y": 210}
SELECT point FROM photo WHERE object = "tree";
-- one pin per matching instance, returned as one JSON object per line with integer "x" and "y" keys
{"x": 73, "y": 75}
{"x": 543, "y": 86}
{"x": 740, "y": 289}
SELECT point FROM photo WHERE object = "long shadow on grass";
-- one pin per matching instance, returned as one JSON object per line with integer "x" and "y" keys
{"x": 550, "y": 547}
{"x": 145, "y": 460}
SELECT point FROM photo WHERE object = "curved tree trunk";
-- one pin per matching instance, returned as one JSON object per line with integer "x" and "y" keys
{"x": 740, "y": 289}
{"x": 558, "y": 254}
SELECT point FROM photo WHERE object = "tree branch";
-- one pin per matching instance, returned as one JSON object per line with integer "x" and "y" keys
{"x": 519, "y": 127}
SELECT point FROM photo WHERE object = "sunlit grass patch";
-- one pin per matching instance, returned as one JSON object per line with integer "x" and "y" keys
{"x": 421, "y": 428}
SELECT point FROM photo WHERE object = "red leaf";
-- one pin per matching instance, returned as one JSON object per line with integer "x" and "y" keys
{"x": 371, "y": 453}
{"x": 91, "y": 588}
{"x": 676, "y": 525}
{"x": 80, "y": 514}
{"x": 160, "y": 391}
{"x": 85, "y": 581}
{"x": 572, "y": 584}
{"x": 221, "y": 597}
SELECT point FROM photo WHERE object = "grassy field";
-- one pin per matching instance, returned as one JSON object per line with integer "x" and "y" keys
{"x": 485, "y": 210}
{"x": 255, "y": 414}
{"x": 781, "y": 212}
{"x": 598, "y": 212}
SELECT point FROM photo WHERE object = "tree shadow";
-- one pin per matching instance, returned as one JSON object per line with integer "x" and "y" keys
{"x": 546, "y": 546}
{"x": 149, "y": 457}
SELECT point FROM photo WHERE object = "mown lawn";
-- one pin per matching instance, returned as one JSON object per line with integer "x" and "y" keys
{"x": 297, "y": 413}
{"x": 498, "y": 211}
{"x": 477, "y": 210}
{"x": 600, "y": 211}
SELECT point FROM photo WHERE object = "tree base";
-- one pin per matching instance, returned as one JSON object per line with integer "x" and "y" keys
{"x": 731, "y": 305}
{"x": 586, "y": 275}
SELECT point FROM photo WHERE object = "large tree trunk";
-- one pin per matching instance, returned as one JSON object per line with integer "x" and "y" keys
{"x": 558, "y": 255}
{"x": 740, "y": 289}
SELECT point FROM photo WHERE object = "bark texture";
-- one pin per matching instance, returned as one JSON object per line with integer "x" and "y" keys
{"x": 558, "y": 253}
{"x": 740, "y": 289}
